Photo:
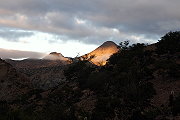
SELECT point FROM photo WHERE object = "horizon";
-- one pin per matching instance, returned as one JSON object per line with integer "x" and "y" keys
{"x": 21, "y": 55}
{"x": 34, "y": 28}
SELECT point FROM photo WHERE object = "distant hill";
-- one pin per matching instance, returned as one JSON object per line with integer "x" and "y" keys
{"x": 53, "y": 59}
{"x": 56, "y": 56}
{"x": 44, "y": 73}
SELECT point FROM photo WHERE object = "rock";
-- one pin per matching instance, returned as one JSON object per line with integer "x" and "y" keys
{"x": 101, "y": 54}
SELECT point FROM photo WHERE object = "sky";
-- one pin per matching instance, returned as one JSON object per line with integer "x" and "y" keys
{"x": 34, "y": 28}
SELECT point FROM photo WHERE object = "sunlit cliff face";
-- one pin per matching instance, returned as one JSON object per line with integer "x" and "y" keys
{"x": 100, "y": 55}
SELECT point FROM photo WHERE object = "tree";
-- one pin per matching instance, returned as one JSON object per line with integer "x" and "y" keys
{"x": 170, "y": 43}
{"x": 124, "y": 45}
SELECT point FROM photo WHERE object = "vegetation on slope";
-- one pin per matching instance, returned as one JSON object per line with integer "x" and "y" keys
{"x": 123, "y": 89}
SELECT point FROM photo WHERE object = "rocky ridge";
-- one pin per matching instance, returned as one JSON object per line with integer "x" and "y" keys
{"x": 100, "y": 55}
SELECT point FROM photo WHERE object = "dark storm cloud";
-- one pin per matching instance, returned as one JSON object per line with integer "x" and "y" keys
{"x": 16, "y": 54}
{"x": 94, "y": 21}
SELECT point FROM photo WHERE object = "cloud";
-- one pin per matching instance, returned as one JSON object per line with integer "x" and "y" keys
{"x": 14, "y": 34}
{"x": 17, "y": 54}
{"x": 93, "y": 21}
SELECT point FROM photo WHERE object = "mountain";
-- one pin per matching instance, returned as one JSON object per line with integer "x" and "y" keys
{"x": 56, "y": 56}
{"x": 101, "y": 54}
{"x": 43, "y": 73}
{"x": 142, "y": 82}
{"x": 51, "y": 60}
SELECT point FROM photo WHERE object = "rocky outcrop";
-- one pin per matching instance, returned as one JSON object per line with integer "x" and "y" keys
{"x": 101, "y": 54}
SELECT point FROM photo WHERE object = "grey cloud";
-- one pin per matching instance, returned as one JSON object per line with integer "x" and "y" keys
{"x": 16, "y": 54}
{"x": 144, "y": 19}
{"x": 13, "y": 34}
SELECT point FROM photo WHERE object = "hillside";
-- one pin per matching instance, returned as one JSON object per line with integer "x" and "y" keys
{"x": 44, "y": 73}
{"x": 12, "y": 84}
{"x": 100, "y": 55}
{"x": 138, "y": 82}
